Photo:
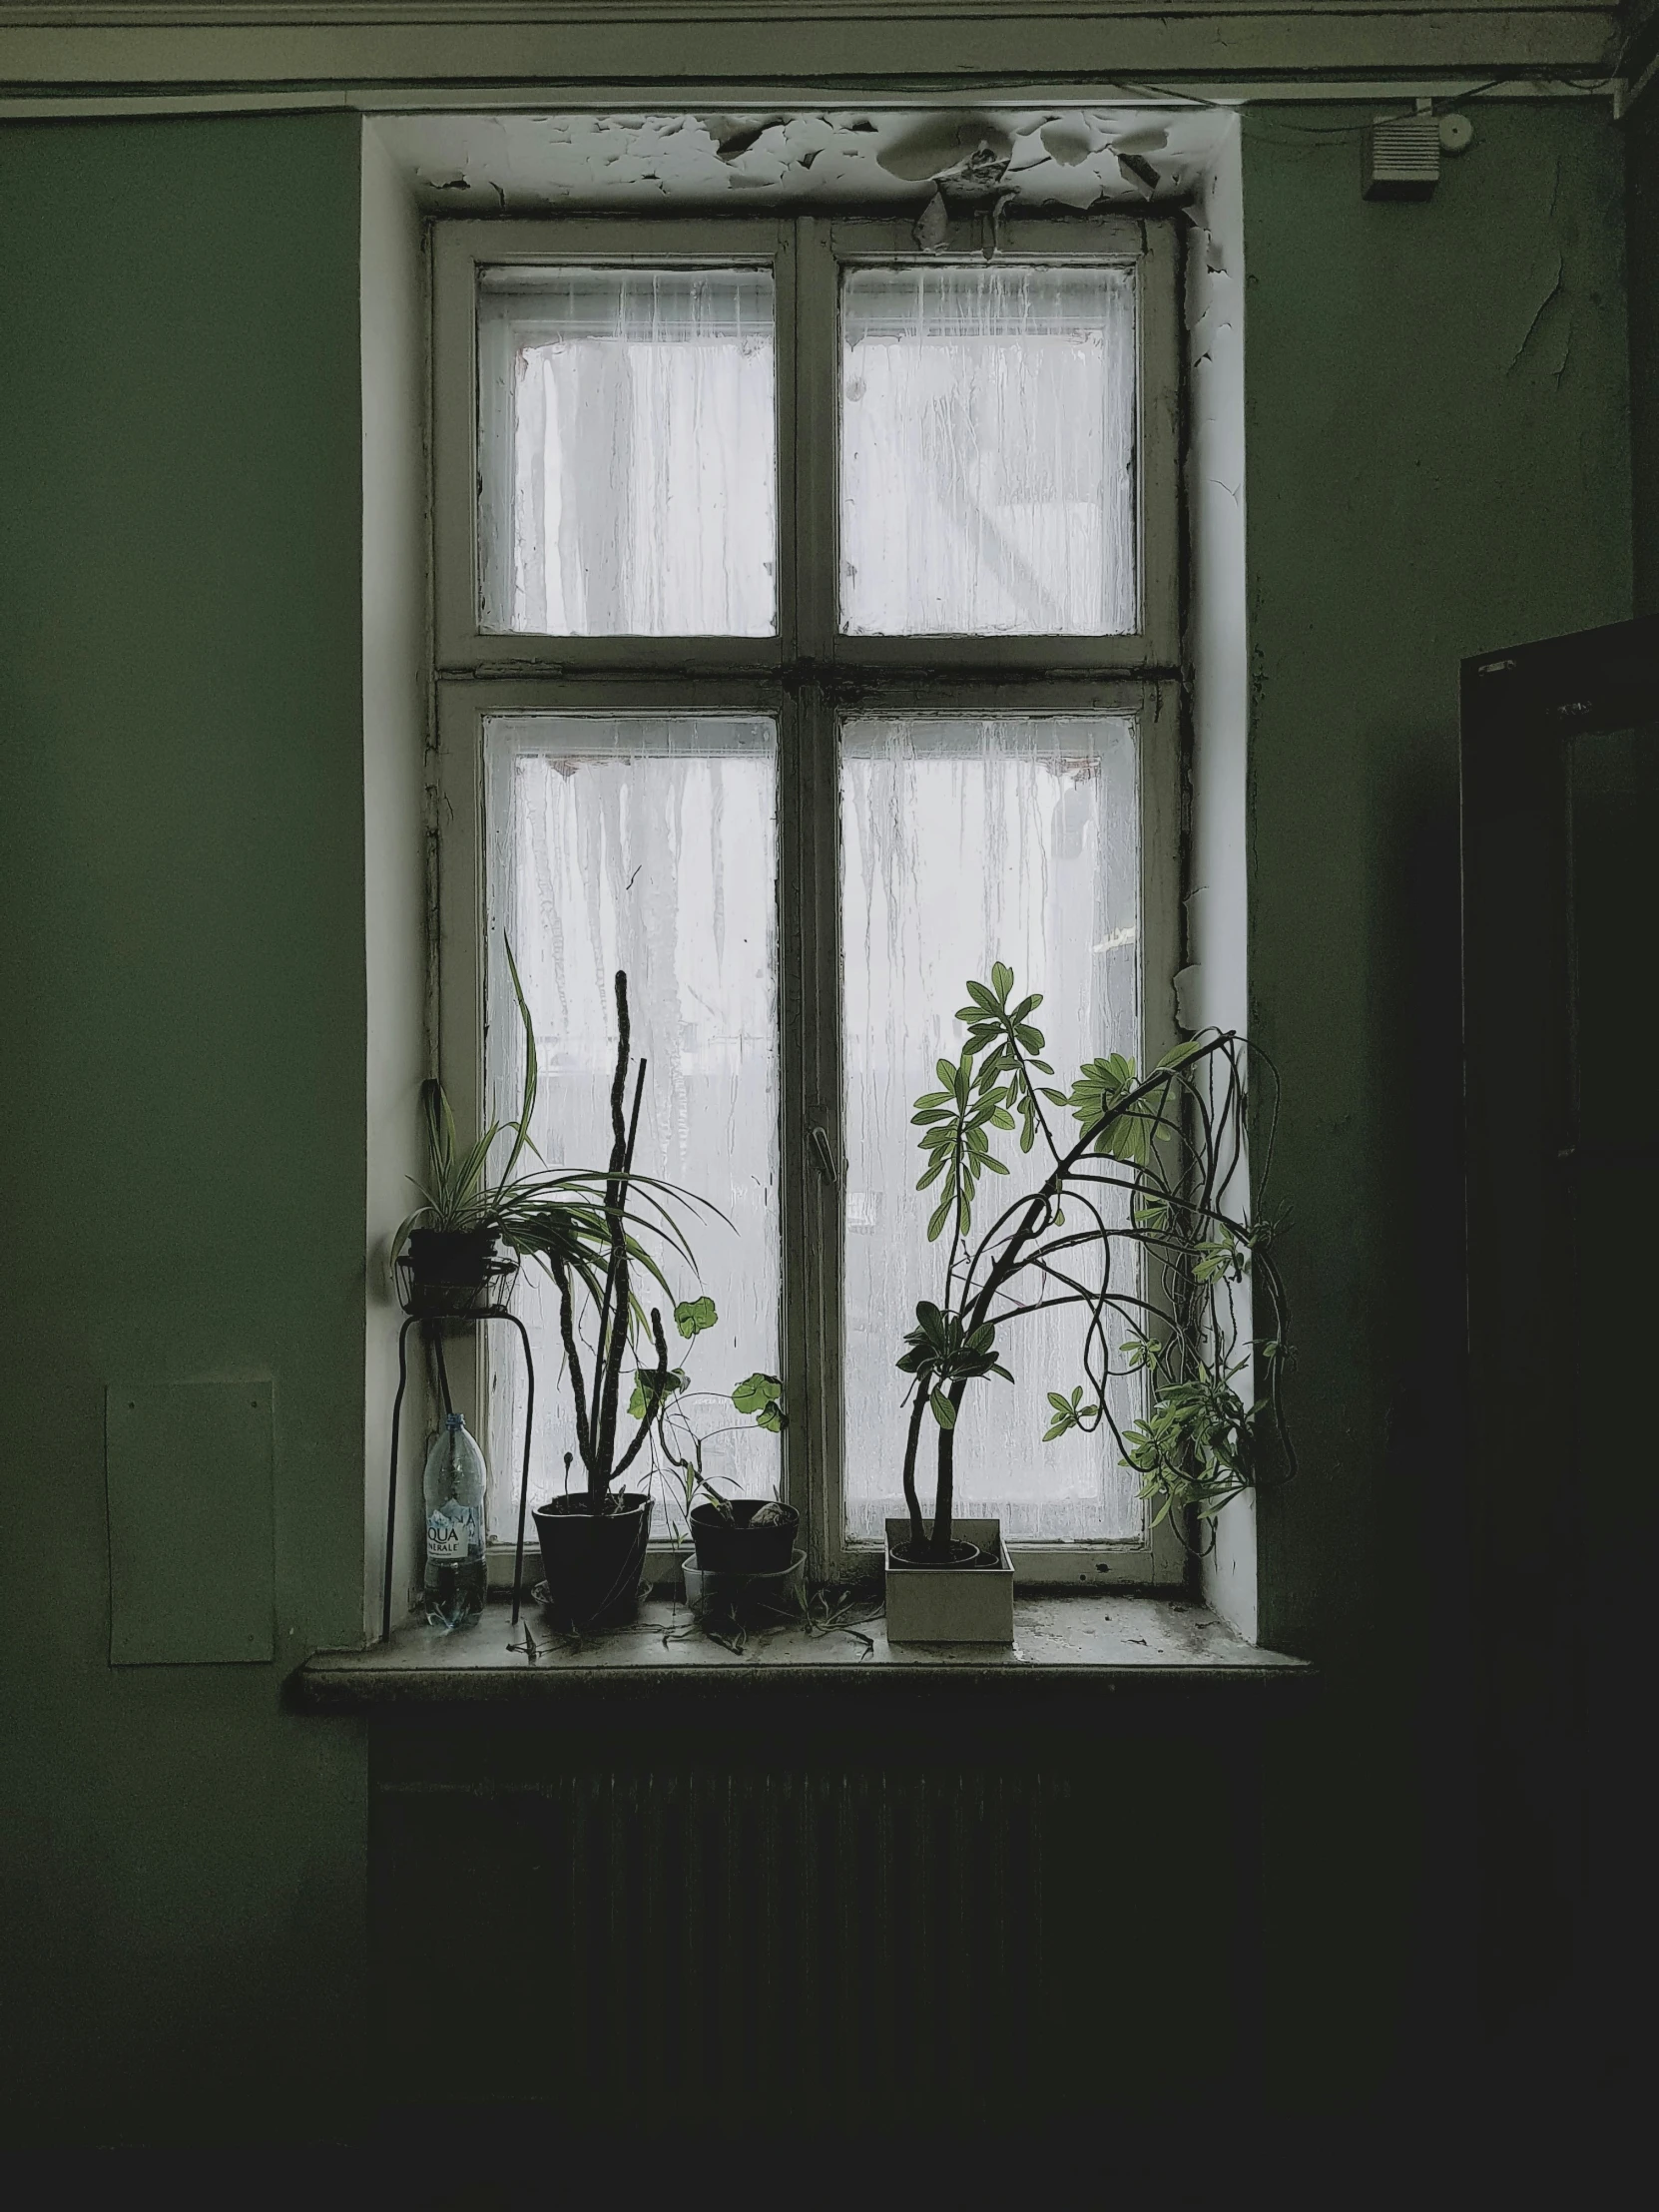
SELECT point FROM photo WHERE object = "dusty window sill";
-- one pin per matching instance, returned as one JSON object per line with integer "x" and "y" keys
{"x": 1121, "y": 1643}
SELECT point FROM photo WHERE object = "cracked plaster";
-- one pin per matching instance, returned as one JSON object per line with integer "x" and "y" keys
{"x": 1033, "y": 158}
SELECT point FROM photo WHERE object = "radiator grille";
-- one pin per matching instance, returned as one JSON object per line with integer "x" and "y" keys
{"x": 886, "y": 1932}
{"x": 712, "y": 1937}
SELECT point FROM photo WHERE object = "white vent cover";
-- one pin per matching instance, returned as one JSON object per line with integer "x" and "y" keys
{"x": 1401, "y": 157}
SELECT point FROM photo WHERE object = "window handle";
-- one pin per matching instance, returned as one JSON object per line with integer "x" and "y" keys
{"x": 826, "y": 1157}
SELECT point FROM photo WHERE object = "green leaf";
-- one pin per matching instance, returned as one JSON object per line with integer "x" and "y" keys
{"x": 644, "y": 1389}
{"x": 772, "y": 1418}
{"x": 756, "y": 1391}
{"x": 1003, "y": 981}
{"x": 694, "y": 1316}
{"x": 934, "y": 1172}
{"x": 1179, "y": 1054}
{"x": 941, "y": 1215}
{"x": 943, "y": 1411}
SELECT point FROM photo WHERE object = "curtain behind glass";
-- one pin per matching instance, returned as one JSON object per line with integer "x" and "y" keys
{"x": 644, "y": 842}
{"x": 629, "y": 452}
{"x": 988, "y": 452}
{"x": 966, "y": 843}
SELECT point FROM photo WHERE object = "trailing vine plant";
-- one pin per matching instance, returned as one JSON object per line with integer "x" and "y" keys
{"x": 1134, "y": 1224}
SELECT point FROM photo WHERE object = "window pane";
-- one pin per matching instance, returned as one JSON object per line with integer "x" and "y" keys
{"x": 966, "y": 843}
{"x": 628, "y": 479}
{"x": 649, "y": 844}
{"x": 988, "y": 452}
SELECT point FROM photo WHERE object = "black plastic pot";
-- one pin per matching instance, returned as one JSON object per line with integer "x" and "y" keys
{"x": 592, "y": 1562}
{"x": 734, "y": 1547}
{"x": 928, "y": 1555}
{"x": 452, "y": 1270}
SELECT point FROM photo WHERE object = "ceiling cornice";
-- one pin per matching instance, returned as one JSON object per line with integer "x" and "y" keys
{"x": 150, "y": 46}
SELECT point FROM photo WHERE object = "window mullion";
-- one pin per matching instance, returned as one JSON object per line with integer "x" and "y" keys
{"x": 815, "y": 454}
{"x": 814, "y": 1151}
{"x": 809, "y": 858}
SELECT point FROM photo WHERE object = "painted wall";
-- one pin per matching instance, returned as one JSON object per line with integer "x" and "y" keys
{"x": 1436, "y": 410}
{"x": 182, "y": 971}
{"x": 1437, "y": 463}
{"x": 1642, "y": 150}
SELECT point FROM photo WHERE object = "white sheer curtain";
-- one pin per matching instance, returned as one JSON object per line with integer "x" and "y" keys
{"x": 633, "y": 415}
{"x": 988, "y": 452}
{"x": 966, "y": 843}
{"x": 646, "y": 844}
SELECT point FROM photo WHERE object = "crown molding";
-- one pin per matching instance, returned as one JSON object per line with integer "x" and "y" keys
{"x": 65, "y": 47}
{"x": 72, "y": 15}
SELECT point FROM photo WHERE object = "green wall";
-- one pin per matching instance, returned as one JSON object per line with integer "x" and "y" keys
{"x": 182, "y": 978}
{"x": 1642, "y": 143}
{"x": 1437, "y": 463}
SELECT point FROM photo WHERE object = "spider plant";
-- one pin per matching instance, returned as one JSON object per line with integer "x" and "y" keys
{"x": 584, "y": 1225}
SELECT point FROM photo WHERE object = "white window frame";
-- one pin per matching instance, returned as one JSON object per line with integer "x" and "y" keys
{"x": 803, "y": 677}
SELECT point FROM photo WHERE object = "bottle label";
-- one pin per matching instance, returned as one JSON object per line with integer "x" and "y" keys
{"x": 453, "y": 1533}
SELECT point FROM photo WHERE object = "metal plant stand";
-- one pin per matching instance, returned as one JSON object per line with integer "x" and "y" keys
{"x": 436, "y": 1324}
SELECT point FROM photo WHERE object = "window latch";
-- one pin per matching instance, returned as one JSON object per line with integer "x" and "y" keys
{"x": 826, "y": 1157}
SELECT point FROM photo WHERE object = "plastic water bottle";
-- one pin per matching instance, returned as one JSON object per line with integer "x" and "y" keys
{"x": 456, "y": 1576}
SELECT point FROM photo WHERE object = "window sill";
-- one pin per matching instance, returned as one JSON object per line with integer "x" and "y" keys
{"x": 1116, "y": 1645}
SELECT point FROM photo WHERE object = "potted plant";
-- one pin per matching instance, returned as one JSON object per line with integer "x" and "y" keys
{"x": 731, "y": 1537}
{"x": 593, "y": 1539}
{"x": 458, "y": 1251}
{"x": 1143, "y": 1172}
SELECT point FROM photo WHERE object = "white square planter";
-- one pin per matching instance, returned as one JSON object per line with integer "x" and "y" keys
{"x": 952, "y": 1605}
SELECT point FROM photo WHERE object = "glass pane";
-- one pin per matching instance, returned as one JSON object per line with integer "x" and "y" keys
{"x": 988, "y": 452}
{"x": 966, "y": 843}
{"x": 628, "y": 475}
{"x": 649, "y": 844}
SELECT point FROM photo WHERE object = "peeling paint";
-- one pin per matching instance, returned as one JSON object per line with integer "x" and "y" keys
{"x": 1031, "y": 158}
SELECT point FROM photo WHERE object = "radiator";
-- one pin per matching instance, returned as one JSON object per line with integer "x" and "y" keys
{"x": 896, "y": 1943}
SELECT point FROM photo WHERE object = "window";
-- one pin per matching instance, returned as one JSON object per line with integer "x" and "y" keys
{"x": 807, "y": 617}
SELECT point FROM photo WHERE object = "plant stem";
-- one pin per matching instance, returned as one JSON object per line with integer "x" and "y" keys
{"x": 918, "y": 1535}
{"x": 659, "y": 1395}
{"x": 567, "y": 1329}
{"x": 613, "y": 1318}
{"x": 945, "y": 1493}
